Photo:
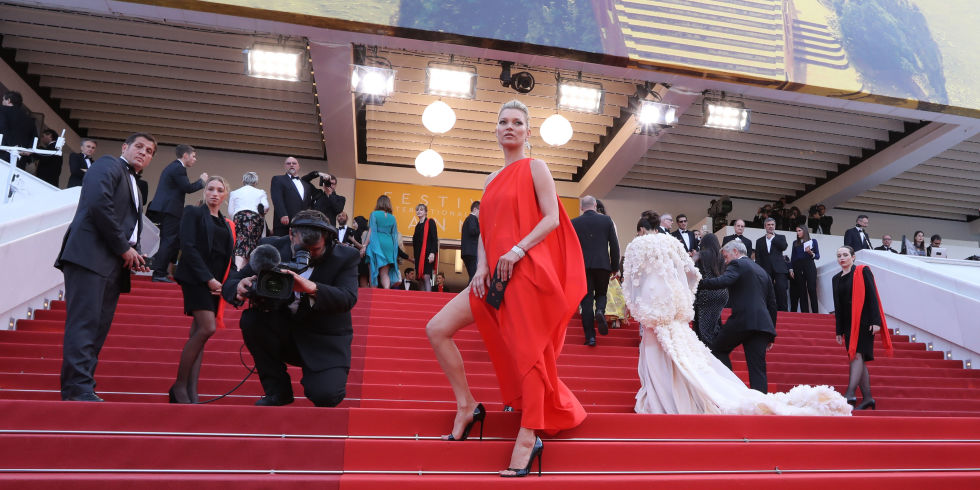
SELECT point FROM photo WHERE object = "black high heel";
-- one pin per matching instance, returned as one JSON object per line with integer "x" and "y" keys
{"x": 852, "y": 401}
{"x": 537, "y": 450}
{"x": 479, "y": 415}
{"x": 173, "y": 396}
{"x": 867, "y": 403}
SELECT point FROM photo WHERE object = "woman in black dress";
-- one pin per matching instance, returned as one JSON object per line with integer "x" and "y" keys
{"x": 870, "y": 321}
{"x": 425, "y": 262}
{"x": 803, "y": 270}
{"x": 363, "y": 269}
{"x": 708, "y": 303}
{"x": 206, "y": 245}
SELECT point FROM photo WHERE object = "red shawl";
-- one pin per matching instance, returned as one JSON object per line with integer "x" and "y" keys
{"x": 857, "y": 305}
{"x": 219, "y": 319}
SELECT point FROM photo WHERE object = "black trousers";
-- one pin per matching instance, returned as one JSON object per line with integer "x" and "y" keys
{"x": 169, "y": 244}
{"x": 806, "y": 285}
{"x": 272, "y": 345}
{"x": 780, "y": 282}
{"x": 91, "y": 303}
{"x": 469, "y": 261}
{"x": 754, "y": 342}
{"x": 597, "y": 284}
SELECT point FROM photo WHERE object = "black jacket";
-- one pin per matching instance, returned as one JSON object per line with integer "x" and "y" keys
{"x": 196, "y": 241}
{"x": 286, "y": 200}
{"x": 597, "y": 235}
{"x": 852, "y": 238}
{"x": 752, "y": 297}
{"x": 104, "y": 221}
{"x": 422, "y": 263}
{"x": 77, "y": 166}
{"x": 322, "y": 328}
{"x": 172, "y": 188}
{"x": 745, "y": 241}
{"x": 17, "y": 127}
{"x": 469, "y": 239}
{"x": 695, "y": 243}
{"x": 771, "y": 261}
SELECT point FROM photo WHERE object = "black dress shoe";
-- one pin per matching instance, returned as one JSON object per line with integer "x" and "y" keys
{"x": 600, "y": 322}
{"x": 274, "y": 400}
{"x": 162, "y": 279}
{"x": 86, "y": 397}
{"x": 590, "y": 342}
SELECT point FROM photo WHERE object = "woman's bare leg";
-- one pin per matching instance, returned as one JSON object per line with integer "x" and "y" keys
{"x": 440, "y": 330}
{"x": 383, "y": 277}
{"x": 520, "y": 456}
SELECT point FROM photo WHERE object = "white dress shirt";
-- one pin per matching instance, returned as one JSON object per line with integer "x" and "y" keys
{"x": 299, "y": 187}
{"x": 247, "y": 198}
{"x": 136, "y": 202}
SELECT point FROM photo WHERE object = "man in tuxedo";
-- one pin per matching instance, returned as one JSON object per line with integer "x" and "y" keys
{"x": 79, "y": 163}
{"x": 470, "y": 239}
{"x": 666, "y": 221}
{"x": 857, "y": 237}
{"x": 753, "y": 320}
{"x": 325, "y": 199}
{"x": 886, "y": 244}
{"x": 290, "y": 195}
{"x": 345, "y": 235}
{"x": 687, "y": 238}
{"x": 313, "y": 330}
{"x": 167, "y": 206}
{"x": 739, "y": 229}
{"x": 769, "y": 255}
{"x": 408, "y": 282}
{"x": 600, "y": 249}
{"x": 16, "y": 124}
{"x": 98, "y": 251}
{"x": 49, "y": 166}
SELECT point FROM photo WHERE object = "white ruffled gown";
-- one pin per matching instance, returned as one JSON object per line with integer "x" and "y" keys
{"x": 678, "y": 374}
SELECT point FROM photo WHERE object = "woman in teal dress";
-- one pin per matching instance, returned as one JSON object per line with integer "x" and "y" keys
{"x": 381, "y": 245}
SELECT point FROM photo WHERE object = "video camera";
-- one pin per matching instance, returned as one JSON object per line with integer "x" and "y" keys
{"x": 718, "y": 211}
{"x": 274, "y": 285}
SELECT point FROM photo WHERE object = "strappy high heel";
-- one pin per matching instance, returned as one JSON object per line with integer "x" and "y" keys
{"x": 479, "y": 415}
{"x": 536, "y": 450}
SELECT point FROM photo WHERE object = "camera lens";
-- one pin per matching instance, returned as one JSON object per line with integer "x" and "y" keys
{"x": 274, "y": 285}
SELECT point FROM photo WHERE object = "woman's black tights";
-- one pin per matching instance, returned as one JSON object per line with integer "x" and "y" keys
{"x": 202, "y": 328}
{"x": 859, "y": 378}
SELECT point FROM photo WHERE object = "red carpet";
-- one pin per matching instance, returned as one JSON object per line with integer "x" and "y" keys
{"x": 925, "y": 433}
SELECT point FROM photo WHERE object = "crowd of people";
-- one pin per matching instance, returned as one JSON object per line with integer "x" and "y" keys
{"x": 522, "y": 252}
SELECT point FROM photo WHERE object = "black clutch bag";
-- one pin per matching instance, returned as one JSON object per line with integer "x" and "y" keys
{"x": 495, "y": 294}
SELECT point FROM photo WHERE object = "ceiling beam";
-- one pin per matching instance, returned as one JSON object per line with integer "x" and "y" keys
{"x": 912, "y": 150}
{"x": 335, "y": 104}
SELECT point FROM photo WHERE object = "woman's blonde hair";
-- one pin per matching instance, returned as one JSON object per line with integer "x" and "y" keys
{"x": 518, "y": 105}
{"x": 219, "y": 179}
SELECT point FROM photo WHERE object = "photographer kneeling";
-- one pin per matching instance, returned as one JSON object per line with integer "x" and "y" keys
{"x": 301, "y": 289}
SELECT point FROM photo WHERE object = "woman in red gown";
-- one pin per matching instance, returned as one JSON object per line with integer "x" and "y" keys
{"x": 528, "y": 241}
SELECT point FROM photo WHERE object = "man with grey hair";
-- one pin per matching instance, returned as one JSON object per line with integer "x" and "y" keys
{"x": 290, "y": 195}
{"x": 753, "y": 320}
{"x": 886, "y": 244}
{"x": 769, "y": 255}
{"x": 600, "y": 249}
{"x": 79, "y": 163}
{"x": 666, "y": 221}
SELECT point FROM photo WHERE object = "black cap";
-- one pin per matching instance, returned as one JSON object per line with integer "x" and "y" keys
{"x": 311, "y": 222}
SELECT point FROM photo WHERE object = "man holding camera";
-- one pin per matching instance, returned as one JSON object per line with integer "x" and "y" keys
{"x": 312, "y": 327}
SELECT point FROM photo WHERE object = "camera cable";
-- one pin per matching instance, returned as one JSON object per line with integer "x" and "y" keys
{"x": 251, "y": 370}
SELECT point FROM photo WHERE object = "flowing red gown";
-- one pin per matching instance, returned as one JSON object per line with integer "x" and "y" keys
{"x": 525, "y": 336}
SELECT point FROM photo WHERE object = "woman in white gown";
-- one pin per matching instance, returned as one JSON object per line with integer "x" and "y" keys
{"x": 678, "y": 374}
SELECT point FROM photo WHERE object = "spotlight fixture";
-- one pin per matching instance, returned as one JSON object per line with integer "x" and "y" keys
{"x": 375, "y": 83}
{"x": 725, "y": 114}
{"x": 576, "y": 95}
{"x": 522, "y": 81}
{"x": 656, "y": 114}
{"x": 450, "y": 80}
{"x": 274, "y": 61}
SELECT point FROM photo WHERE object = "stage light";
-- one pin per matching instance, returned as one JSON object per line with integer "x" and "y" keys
{"x": 375, "y": 82}
{"x": 576, "y": 95}
{"x": 438, "y": 117}
{"x": 725, "y": 114}
{"x": 275, "y": 62}
{"x": 556, "y": 130}
{"x": 652, "y": 113}
{"x": 451, "y": 80}
{"x": 429, "y": 163}
{"x": 522, "y": 81}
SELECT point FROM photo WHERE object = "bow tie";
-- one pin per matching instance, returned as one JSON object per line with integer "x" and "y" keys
{"x": 132, "y": 171}
{"x": 294, "y": 177}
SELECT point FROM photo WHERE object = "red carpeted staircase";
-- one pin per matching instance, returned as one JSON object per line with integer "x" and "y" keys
{"x": 926, "y": 430}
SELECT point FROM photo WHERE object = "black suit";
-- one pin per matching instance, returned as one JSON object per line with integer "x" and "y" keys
{"x": 745, "y": 241}
{"x": 695, "y": 244}
{"x": 91, "y": 259}
{"x": 774, "y": 264}
{"x": 49, "y": 166}
{"x": 600, "y": 249}
{"x": 892, "y": 250}
{"x": 17, "y": 127}
{"x": 331, "y": 205}
{"x": 168, "y": 206}
{"x": 286, "y": 201}
{"x": 317, "y": 337}
{"x": 348, "y": 235}
{"x": 78, "y": 164}
{"x": 469, "y": 243}
{"x": 753, "y": 319}
{"x": 853, "y": 239}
